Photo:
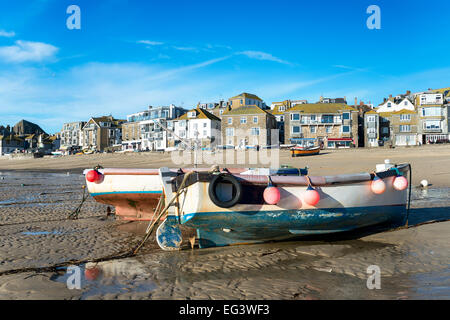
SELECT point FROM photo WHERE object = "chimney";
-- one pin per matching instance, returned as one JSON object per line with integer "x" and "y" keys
{"x": 384, "y": 99}
{"x": 408, "y": 92}
{"x": 356, "y": 101}
{"x": 390, "y": 96}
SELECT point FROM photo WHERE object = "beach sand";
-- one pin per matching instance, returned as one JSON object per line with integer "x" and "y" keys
{"x": 431, "y": 162}
{"x": 35, "y": 232}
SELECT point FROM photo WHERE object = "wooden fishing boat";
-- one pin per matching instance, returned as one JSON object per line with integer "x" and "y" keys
{"x": 135, "y": 193}
{"x": 299, "y": 151}
{"x": 228, "y": 208}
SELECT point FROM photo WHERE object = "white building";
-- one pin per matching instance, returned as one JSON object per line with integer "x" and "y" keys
{"x": 197, "y": 124}
{"x": 72, "y": 134}
{"x": 392, "y": 106}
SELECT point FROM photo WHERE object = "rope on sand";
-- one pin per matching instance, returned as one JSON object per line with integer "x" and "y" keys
{"x": 120, "y": 255}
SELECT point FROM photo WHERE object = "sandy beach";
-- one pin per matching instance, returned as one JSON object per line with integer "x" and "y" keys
{"x": 431, "y": 162}
{"x": 37, "y": 196}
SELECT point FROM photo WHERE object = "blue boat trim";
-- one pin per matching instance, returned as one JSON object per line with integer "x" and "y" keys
{"x": 126, "y": 192}
{"x": 229, "y": 228}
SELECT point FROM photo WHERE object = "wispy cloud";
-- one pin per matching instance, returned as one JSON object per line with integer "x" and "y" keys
{"x": 150, "y": 43}
{"x": 259, "y": 55}
{"x": 7, "y": 34}
{"x": 27, "y": 51}
{"x": 191, "y": 49}
{"x": 341, "y": 66}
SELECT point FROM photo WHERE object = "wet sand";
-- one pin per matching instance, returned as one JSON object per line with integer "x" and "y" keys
{"x": 35, "y": 233}
{"x": 430, "y": 162}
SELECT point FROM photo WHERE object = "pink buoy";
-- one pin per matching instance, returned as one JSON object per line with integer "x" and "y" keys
{"x": 400, "y": 183}
{"x": 378, "y": 186}
{"x": 311, "y": 196}
{"x": 271, "y": 195}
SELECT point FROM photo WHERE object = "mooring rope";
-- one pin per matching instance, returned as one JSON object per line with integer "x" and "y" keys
{"x": 121, "y": 255}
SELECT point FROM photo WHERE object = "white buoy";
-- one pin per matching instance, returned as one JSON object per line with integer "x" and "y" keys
{"x": 424, "y": 183}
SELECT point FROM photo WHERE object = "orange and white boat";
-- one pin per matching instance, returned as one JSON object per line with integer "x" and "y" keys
{"x": 299, "y": 151}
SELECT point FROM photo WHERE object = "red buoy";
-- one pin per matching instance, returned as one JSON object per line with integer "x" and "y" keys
{"x": 311, "y": 196}
{"x": 94, "y": 176}
{"x": 400, "y": 183}
{"x": 271, "y": 195}
{"x": 91, "y": 273}
{"x": 378, "y": 186}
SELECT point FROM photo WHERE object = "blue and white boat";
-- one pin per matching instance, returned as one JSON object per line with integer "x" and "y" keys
{"x": 231, "y": 208}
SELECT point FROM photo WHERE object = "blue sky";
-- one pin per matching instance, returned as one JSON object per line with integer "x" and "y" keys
{"x": 131, "y": 54}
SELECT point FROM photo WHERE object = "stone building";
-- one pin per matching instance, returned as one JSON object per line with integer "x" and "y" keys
{"x": 248, "y": 126}
{"x": 101, "y": 133}
{"x": 330, "y": 125}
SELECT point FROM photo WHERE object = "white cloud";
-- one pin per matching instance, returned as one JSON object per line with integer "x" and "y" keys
{"x": 259, "y": 55}
{"x": 7, "y": 34}
{"x": 24, "y": 51}
{"x": 151, "y": 43}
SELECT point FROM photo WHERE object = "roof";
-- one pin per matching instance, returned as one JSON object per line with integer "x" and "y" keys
{"x": 403, "y": 111}
{"x": 200, "y": 114}
{"x": 276, "y": 110}
{"x": 246, "y": 95}
{"x": 321, "y": 108}
{"x": 245, "y": 110}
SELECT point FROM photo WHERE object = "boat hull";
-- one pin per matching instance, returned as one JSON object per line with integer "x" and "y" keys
{"x": 304, "y": 152}
{"x": 134, "y": 193}
{"x": 342, "y": 207}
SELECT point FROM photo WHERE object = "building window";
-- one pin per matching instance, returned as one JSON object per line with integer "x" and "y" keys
{"x": 385, "y": 130}
{"x": 255, "y": 132}
{"x": 204, "y": 133}
{"x": 405, "y": 128}
{"x": 243, "y": 120}
{"x": 230, "y": 120}
{"x": 346, "y": 115}
{"x": 328, "y": 129}
{"x": 345, "y": 129}
{"x": 371, "y": 119}
{"x": 433, "y": 111}
{"x": 230, "y": 132}
{"x": 295, "y": 129}
{"x": 204, "y": 125}
{"x": 389, "y": 104}
{"x": 432, "y": 125}
{"x": 282, "y": 108}
{"x": 405, "y": 117}
{"x": 295, "y": 116}
{"x": 220, "y": 112}
{"x": 312, "y": 129}
{"x": 327, "y": 118}
{"x": 255, "y": 119}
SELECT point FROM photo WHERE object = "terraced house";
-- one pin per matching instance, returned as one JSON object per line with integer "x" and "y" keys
{"x": 102, "y": 133}
{"x": 434, "y": 115}
{"x": 331, "y": 125}
{"x": 397, "y": 128}
{"x": 195, "y": 125}
{"x": 248, "y": 126}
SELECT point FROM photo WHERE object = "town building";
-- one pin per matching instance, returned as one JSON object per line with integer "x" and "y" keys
{"x": 10, "y": 143}
{"x": 216, "y": 108}
{"x": 434, "y": 116}
{"x": 72, "y": 134}
{"x": 152, "y": 124}
{"x": 248, "y": 125}
{"x": 102, "y": 133}
{"x": 131, "y": 136}
{"x": 246, "y": 99}
{"x": 331, "y": 125}
{"x": 196, "y": 125}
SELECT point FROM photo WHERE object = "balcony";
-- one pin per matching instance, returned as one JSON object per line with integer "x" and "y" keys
{"x": 434, "y": 130}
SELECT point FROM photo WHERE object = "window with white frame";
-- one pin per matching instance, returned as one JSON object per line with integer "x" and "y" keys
{"x": 295, "y": 116}
{"x": 432, "y": 125}
{"x": 255, "y": 119}
{"x": 432, "y": 111}
{"x": 312, "y": 129}
{"x": 230, "y": 132}
{"x": 281, "y": 108}
{"x": 243, "y": 120}
{"x": 371, "y": 130}
{"x": 328, "y": 129}
{"x": 345, "y": 129}
{"x": 405, "y": 117}
{"x": 255, "y": 131}
{"x": 295, "y": 129}
{"x": 230, "y": 120}
{"x": 346, "y": 115}
{"x": 371, "y": 118}
{"x": 405, "y": 128}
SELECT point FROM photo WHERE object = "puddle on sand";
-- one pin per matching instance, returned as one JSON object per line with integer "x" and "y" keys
{"x": 106, "y": 278}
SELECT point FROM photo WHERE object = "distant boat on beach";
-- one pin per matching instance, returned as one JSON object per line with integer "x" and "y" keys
{"x": 242, "y": 205}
